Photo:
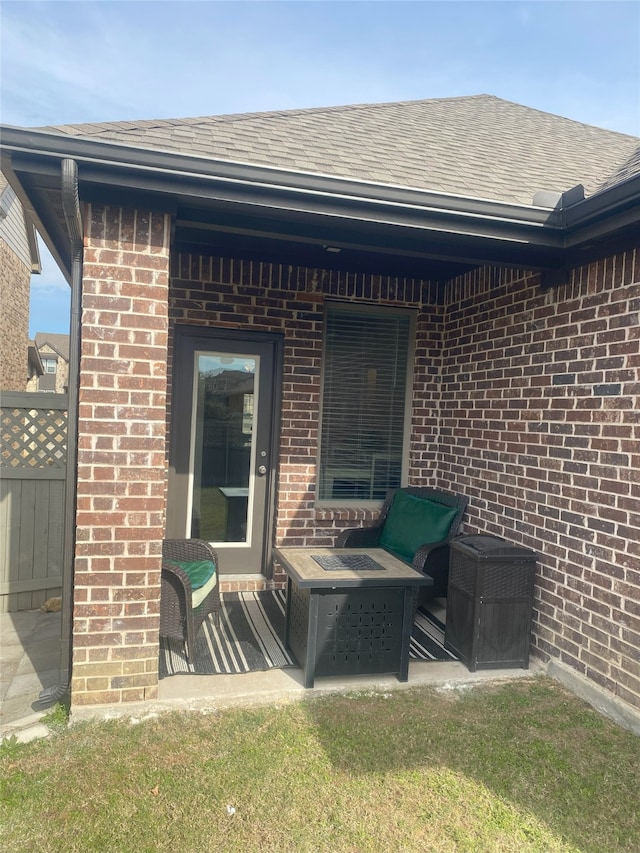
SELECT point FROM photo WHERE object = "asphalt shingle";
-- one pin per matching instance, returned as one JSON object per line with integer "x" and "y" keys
{"x": 59, "y": 342}
{"x": 479, "y": 146}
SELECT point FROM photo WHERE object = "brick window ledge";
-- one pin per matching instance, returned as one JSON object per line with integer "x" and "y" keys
{"x": 344, "y": 513}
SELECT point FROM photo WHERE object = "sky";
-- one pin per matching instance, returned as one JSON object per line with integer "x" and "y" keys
{"x": 72, "y": 61}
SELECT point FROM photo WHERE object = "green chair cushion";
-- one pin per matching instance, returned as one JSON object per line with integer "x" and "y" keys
{"x": 198, "y": 572}
{"x": 199, "y": 595}
{"x": 413, "y": 522}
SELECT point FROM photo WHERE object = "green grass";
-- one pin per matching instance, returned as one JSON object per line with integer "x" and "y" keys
{"x": 213, "y": 515}
{"x": 515, "y": 768}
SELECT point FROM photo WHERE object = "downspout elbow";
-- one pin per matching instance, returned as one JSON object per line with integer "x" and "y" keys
{"x": 71, "y": 206}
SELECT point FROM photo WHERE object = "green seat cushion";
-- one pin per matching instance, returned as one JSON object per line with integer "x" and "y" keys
{"x": 199, "y": 572}
{"x": 199, "y": 595}
{"x": 413, "y": 522}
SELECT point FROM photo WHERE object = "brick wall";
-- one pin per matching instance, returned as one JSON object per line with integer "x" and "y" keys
{"x": 290, "y": 300}
{"x": 121, "y": 456}
{"x": 525, "y": 400}
{"x": 540, "y": 427}
{"x": 15, "y": 278}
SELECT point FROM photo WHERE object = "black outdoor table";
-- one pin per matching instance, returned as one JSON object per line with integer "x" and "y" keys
{"x": 352, "y": 617}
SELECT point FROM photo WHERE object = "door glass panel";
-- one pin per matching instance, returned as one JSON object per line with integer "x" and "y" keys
{"x": 222, "y": 450}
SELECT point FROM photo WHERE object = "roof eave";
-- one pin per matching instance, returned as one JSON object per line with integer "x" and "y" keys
{"x": 60, "y": 254}
{"x": 34, "y": 358}
{"x": 206, "y": 183}
{"x": 53, "y": 146}
{"x": 609, "y": 210}
{"x": 34, "y": 250}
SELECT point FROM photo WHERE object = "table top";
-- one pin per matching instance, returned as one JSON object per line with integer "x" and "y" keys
{"x": 300, "y": 565}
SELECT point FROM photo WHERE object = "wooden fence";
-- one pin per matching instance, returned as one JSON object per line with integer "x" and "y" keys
{"x": 33, "y": 462}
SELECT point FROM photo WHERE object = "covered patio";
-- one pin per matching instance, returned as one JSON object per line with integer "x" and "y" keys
{"x": 496, "y": 307}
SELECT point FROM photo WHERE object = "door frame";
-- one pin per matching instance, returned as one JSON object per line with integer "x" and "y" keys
{"x": 212, "y": 337}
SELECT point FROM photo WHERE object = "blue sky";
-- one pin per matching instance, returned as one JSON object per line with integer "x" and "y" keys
{"x": 68, "y": 62}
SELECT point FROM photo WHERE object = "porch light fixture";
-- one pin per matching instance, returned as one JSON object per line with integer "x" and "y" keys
{"x": 334, "y": 249}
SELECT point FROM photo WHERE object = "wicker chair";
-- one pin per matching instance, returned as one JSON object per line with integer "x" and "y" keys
{"x": 432, "y": 558}
{"x": 179, "y": 619}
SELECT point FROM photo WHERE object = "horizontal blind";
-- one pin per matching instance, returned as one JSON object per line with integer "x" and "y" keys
{"x": 363, "y": 404}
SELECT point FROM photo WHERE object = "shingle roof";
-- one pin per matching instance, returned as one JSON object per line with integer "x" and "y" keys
{"x": 59, "y": 342}
{"x": 479, "y": 146}
{"x": 627, "y": 170}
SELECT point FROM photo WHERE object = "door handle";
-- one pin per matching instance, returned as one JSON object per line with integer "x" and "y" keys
{"x": 262, "y": 469}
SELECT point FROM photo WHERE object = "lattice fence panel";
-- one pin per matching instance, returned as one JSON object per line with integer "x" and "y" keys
{"x": 33, "y": 436}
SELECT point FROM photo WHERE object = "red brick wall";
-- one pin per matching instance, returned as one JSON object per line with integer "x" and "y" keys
{"x": 277, "y": 298}
{"x": 121, "y": 456}
{"x": 15, "y": 278}
{"x": 540, "y": 427}
{"x": 524, "y": 400}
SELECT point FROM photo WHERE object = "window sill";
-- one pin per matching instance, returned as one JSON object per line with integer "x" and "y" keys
{"x": 364, "y": 511}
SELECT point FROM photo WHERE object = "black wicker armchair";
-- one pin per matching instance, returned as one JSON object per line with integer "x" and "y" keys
{"x": 428, "y": 556}
{"x": 184, "y": 608}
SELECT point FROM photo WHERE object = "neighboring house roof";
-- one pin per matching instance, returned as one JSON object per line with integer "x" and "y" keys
{"x": 479, "y": 146}
{"x": 59, "y": 343}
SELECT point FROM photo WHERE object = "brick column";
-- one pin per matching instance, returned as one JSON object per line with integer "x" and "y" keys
{"x": 121, "y": 456}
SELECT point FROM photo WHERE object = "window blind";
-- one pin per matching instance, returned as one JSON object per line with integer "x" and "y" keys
{"x": 363, "y": 402}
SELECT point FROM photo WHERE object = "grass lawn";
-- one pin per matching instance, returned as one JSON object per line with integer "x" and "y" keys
{"x": 213, "y": 514}
{"x": 518, "y": 767}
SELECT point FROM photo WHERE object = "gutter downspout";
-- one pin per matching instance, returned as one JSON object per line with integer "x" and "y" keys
{"x": 71, "y": 207}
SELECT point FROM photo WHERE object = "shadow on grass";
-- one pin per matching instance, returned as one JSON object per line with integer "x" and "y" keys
{"x": 531, "y": 743}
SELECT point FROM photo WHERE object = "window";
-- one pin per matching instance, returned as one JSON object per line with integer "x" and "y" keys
{"x": 49, "y": 365}
{"x": 364, "y": 401}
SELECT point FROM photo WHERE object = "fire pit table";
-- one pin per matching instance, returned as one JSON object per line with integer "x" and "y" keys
{"x": 349, "y": 612}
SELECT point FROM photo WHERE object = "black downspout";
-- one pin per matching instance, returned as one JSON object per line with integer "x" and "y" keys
{"x": 71, "y": 206}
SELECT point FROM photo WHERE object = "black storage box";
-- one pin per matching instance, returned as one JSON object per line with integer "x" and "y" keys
{"x": 490, "y": 602}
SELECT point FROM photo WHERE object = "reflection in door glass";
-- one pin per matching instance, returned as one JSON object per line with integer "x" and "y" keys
{"x": 221, "y": 449}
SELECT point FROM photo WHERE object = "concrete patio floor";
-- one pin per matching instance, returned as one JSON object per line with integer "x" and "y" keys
{"x": 29, "y": 663}
{"x": 30, "y": 658}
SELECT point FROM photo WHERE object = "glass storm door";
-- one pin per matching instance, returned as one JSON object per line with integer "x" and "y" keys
{"x": 220, "y": 485}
